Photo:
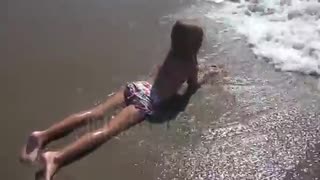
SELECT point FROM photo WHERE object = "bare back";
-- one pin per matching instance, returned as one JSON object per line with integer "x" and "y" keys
{"x": 172, "y": 74}
{"x": 181, "y": 62}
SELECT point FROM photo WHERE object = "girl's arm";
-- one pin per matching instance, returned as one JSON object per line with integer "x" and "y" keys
{"x": 200, "y": 76}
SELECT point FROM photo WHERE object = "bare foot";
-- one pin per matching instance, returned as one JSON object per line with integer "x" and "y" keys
{"x": 30, "y": 151}
{"x": 49, "y": 166}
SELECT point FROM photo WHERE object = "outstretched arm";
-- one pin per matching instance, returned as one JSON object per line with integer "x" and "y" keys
{"x": 194, "y": 82}
{"x": 200, "y": 76}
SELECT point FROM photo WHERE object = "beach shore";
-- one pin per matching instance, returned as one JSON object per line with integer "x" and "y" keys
{"x": 250, "y": 122}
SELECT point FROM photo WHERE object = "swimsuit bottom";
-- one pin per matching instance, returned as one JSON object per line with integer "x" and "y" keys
{"x": 142, "y": 96}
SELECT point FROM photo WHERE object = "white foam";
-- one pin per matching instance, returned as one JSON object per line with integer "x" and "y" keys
{"x": 215, "y": 1}
{"x": 286, "y": 32}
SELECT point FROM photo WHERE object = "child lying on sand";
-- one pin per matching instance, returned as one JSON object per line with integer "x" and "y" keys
{"x": 142, "y": 99}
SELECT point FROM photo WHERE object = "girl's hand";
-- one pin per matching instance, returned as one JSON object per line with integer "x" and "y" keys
{"x": 209, "y": 73}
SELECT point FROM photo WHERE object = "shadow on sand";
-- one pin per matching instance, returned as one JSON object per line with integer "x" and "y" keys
{"x": 171, "y": 108}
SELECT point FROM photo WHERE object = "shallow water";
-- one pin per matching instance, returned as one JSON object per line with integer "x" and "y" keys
{"x": 253, "y": 122}
{"x": 65, "y": 56}
{"x": 256, "y": 123}
{"x": 286, "y": 33}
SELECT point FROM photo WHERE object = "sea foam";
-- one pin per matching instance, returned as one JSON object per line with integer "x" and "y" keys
{"x": 286, "y": 33}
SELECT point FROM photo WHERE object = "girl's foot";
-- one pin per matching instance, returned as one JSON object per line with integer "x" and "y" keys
{"x": 30, "y": 151}
{"x": 49, "y": 166}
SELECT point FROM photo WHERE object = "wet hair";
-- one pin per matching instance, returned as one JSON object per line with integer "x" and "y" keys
{"x": 186, "y": 38}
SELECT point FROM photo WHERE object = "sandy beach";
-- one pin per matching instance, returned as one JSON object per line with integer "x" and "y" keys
{"x": 251, "y": 122}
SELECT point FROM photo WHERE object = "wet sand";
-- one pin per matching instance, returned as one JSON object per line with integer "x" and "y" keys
{"x": 255, "y": 123}
{"x": 65, "y": 56}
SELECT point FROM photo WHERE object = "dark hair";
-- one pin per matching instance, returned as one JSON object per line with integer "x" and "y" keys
{"x": 186, "y": 38}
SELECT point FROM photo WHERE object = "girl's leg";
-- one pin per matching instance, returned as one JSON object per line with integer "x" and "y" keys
{"x": 39, "y": 139}
{"x": 53, "y": 160}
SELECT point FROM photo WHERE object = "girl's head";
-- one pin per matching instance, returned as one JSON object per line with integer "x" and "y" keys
{"x": 186, "y": 38}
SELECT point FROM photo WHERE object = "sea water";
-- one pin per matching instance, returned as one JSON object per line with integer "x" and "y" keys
{"x": 286, "y": 33}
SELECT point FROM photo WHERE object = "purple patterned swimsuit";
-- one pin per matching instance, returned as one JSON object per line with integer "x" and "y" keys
{"x": 142, "y": 96}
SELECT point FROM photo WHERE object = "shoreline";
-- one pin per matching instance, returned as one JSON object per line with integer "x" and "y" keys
{"x": 268, "y": 122}
{"x": 258, "y": 124}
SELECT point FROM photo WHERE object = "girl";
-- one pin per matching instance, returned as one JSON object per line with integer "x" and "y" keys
{"x": 142, "y": 99}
